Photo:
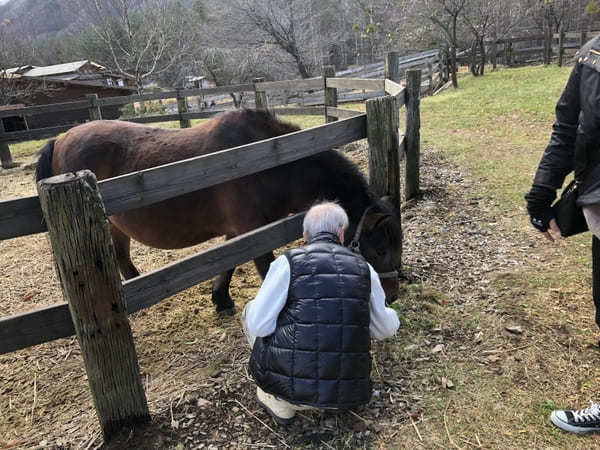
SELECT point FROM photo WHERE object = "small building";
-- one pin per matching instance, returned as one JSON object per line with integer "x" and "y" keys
{"x": 62, "y": 83}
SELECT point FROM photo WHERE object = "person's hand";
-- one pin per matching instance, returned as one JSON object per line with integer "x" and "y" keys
{"x": 553, "y": 233}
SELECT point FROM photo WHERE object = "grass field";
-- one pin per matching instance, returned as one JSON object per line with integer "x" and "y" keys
{"x": 496, "y": 127}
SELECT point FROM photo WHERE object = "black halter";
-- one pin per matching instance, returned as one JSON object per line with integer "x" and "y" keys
{"x": 354, "y": 245}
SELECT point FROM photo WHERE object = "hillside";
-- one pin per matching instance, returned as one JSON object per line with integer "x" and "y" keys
{"x": 39, "y": 19}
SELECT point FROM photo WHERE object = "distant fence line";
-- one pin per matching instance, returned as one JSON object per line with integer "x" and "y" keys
{"x": 76, "y": 220}
{"x": 540, "y": 47}
{"x": 430, "y": 62}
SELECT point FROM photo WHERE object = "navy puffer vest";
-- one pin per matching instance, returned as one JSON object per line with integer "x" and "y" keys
{"x": 319, "y": 353}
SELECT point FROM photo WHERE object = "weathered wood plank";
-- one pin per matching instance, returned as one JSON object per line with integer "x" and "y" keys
{"x": 21, "y": 217}
{"x": 5, "y": 156}
{"x": 154, "y": 119}
{"x": 306, "y": 111}
{"x": 55, "y": 107}
{"x": 125, "y": 99}
{"x": 39, "y": 133}
{"x": 382, "y": 130}
{"x": 413, "y": 134}
{"x": 356, "y": 83}
{"x": 330, "y": 94}
{"x": 342, "y": 113}
{"x": 88, "y": 270}
{"x": 182, "y": 108}
{"x": 290, "y": 85}
{"x": 54, "y": 322}
{"x": 218, "y": 90}
{"x": 391, "y": 70}
{"x": 261, "y": 101}
{"x": 160, "y": 183}
{"x": 400, "y": 98}
{"x": 392, "y": 88}
{"x": 150, "y": 288}
{"x": 35, "y": 327}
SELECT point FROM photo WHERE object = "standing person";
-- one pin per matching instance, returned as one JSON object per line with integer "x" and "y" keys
{"x": 574, "y": 147}
{"x": 310, "y": 325}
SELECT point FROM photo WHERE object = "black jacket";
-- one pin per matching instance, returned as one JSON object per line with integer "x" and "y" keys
{"x": 319, "y": 354}
{"x": 574, "y": 144}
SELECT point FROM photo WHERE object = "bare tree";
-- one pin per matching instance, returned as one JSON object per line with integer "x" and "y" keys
{"x": 226, "y": 67}
{"x": 143, "y": 37}
{"x": 283, "y": 23}
{"x": 445, "y": 14}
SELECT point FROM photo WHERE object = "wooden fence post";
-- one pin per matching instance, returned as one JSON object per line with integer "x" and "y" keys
{"x": 430, "y": 77}
{"x": 261, "y": 101}
{"x": 392, "y": 67}
{"x": 494, "y": 54}
{"x": 561, "y": 48}
{"x": 413, "y": 133}
{"x": 87, "y": 267}
{"x": 94, "y": 109}
{"x": 331, "y": 98}
{"x": 286, "y": 95}
{"x": 582, "y": 38}
{"x": 5, "y": 156}
{"x": 508, "y": 52}
{"x": 182, "y": 108}
{"x": 384, "y": 158}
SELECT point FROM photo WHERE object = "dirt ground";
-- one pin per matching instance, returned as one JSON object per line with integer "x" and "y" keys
{"x": 194, "y": 364}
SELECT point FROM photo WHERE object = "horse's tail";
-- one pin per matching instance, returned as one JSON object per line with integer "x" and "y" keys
{"x": 44, "y": 165}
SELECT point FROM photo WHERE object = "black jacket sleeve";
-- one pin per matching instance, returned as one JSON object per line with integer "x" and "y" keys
{"x": 557, "y": 160}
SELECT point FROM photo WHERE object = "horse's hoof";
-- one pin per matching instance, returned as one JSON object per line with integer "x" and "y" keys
{"x": 226, "y": 312}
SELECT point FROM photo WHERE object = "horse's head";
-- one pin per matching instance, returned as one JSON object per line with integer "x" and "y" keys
{"x": 380, "y": 242}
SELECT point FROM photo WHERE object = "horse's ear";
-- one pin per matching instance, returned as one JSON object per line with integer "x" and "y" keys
{"x": 387, "y": 201}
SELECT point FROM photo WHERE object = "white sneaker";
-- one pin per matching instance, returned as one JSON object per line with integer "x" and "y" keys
{"x": 280, "y": 410}
{"x": 578, "y": 421}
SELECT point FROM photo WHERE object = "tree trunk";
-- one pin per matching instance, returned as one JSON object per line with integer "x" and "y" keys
{"x": 453, "y": 66}
{"x": 482, "y": 55}
{"x": 474, "y": 68}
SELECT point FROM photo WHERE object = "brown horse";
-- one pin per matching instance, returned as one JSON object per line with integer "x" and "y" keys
{"x": 112, "y": 148}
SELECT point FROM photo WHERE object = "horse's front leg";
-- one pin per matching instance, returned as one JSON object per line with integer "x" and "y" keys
{"x": 263, "y": 262}
{"x": 220, "y": 293}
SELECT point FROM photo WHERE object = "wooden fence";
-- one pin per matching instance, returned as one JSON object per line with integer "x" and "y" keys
{"x": 546, "y": 47}
{"x": 309, "y": 104}
{"x": 74, "y": 208}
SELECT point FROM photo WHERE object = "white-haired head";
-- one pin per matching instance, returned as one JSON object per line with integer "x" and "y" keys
{"x": 325, "y": 216}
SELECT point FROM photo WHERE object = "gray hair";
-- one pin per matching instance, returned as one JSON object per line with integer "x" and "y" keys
{"x": 325, "y": 216}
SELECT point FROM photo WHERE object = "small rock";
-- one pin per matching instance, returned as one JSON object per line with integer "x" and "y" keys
{"x": 438, "y": 348}
{"x": 478, "y": 338}
{"x": 411, "y": 347}
{"x": 515, "y": 329}
{"x": 447, "y": 383}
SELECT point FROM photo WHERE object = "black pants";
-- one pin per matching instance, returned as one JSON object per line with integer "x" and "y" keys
{"x": 596, "y": 276}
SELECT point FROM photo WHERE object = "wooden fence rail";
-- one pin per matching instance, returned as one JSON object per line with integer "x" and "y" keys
{"x": 59, "y": 195}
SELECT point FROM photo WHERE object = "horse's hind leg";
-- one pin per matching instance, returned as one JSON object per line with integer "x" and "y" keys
{"x": 122, "y": 246}
{"x": 263, "y": 262}
{"x": 220, "y": 293}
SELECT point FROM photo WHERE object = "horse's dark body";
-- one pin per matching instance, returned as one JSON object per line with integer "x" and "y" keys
{"x": 112, "y": 148}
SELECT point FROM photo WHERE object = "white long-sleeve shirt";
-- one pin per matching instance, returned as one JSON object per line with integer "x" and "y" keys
{"x": 260, "y": 315}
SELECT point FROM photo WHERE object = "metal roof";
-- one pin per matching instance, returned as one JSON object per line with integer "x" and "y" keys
{"x": 59, "y": 69}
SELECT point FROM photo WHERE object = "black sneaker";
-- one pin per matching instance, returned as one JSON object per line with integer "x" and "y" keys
{"x": 578, "y": 421}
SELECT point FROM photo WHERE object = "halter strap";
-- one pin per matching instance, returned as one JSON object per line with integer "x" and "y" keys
{"x": 354, "y": 245}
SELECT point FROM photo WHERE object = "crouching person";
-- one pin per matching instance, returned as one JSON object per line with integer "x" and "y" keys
{"x": 310, "y": 325}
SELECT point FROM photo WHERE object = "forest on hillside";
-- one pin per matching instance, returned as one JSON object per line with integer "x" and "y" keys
{"x": 233, "y": 41}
